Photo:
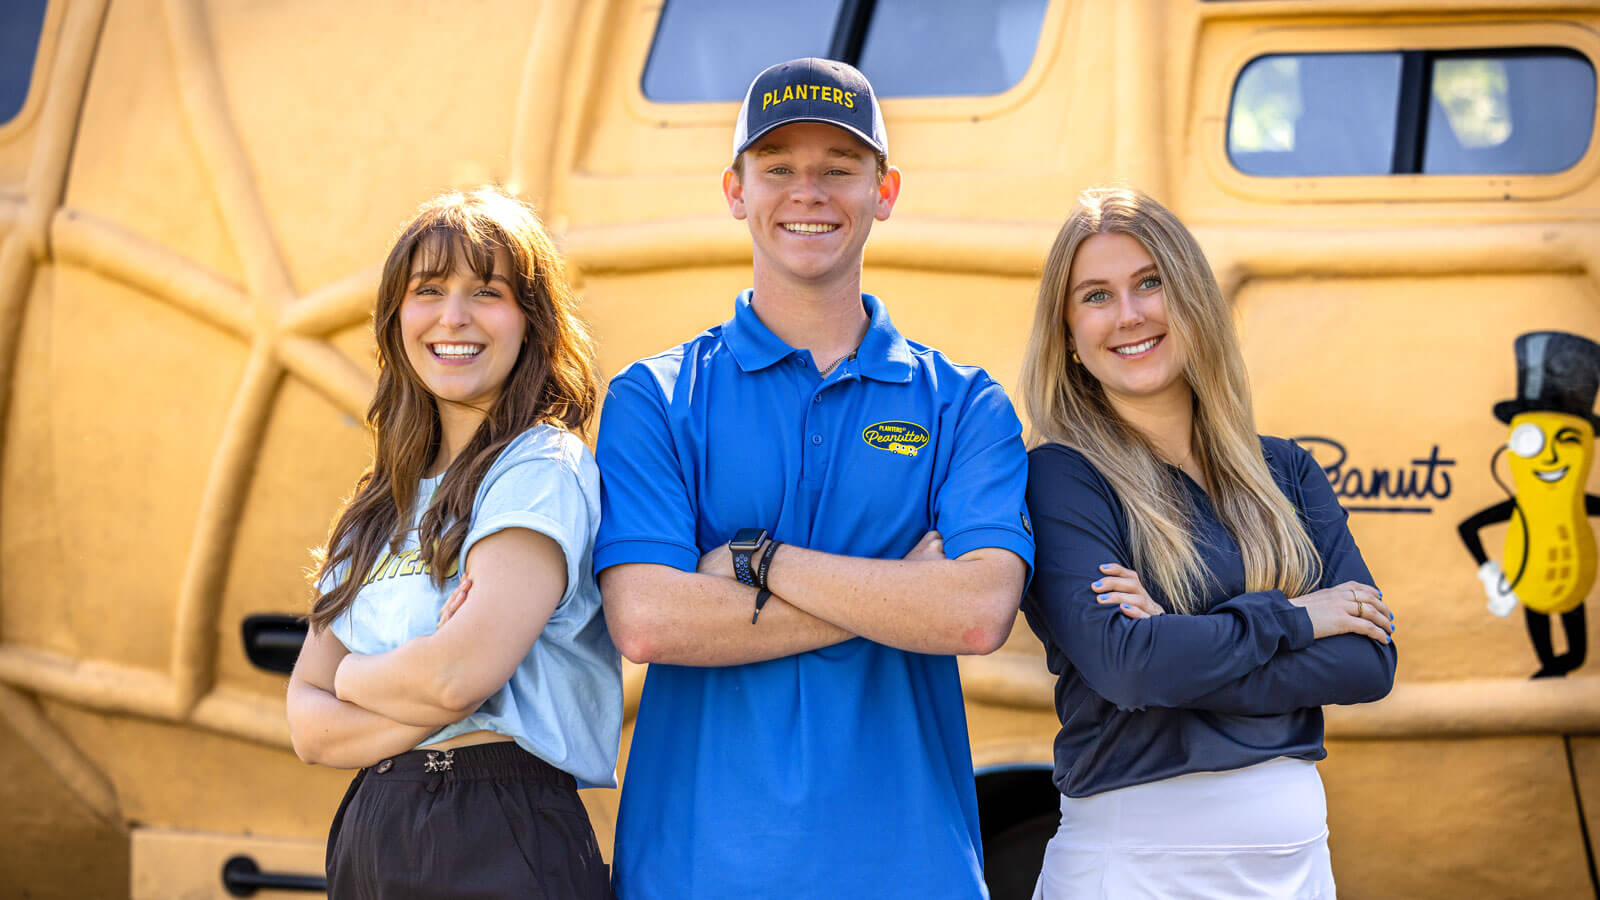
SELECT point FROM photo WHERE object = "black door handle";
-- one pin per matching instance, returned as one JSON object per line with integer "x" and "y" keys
{"x": 272, "y": 642}
{"x": 242, "y": 877}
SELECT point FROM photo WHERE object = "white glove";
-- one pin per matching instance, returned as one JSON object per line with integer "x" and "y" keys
{"x": 1502, "y": 600}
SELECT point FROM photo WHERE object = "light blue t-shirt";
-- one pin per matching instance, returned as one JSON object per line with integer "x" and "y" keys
{"x": 564, "y": 702}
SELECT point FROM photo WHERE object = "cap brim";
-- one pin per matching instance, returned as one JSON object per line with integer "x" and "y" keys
{"x": 820, "y": 119}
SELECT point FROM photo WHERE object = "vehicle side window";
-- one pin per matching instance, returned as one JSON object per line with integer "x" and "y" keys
{"x": 19, "y": 45}
{"x": 950, "y": 47}
{"x": 707, "y": 50}
{"x": 1508, "y": 113}
{"x": 1504, "y": 112}
{"x": 710, "y": 49}
{"x": 1315, "y": 114}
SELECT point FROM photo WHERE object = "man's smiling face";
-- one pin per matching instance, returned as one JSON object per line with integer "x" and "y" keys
{"x": 809, "y": 193}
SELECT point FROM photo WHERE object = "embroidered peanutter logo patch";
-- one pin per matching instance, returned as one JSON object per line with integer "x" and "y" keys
{"x": 899, "y": 438}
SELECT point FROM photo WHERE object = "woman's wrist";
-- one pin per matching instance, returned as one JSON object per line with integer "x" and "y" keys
{"x": 341, "y": 677}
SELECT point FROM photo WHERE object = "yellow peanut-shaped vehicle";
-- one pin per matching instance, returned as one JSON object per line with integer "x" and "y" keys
{"x": 1550, "y": 553}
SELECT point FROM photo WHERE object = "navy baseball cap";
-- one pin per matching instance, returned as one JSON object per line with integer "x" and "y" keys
{"x": 810, "y": 90}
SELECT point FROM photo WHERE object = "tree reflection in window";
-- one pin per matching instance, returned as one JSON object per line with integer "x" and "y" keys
{"x": 1473, "y": 95}
{"x": 1266, "y": 105}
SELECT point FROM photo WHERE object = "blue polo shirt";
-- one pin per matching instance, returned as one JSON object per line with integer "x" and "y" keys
{"x": 844, "y": 771}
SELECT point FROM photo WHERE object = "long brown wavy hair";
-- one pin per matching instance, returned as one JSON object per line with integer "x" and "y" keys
{"x": 1067, "y": 405}
{"x": 552, "y": 381}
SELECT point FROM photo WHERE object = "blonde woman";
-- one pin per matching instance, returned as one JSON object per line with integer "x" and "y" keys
{"x": 1196, "y": 588}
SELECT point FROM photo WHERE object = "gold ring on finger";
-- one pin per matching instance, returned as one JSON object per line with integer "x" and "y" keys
{"x": 1359, "y": 608}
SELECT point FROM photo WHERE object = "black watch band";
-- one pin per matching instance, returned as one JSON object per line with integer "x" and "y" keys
{"x": 745, "y": 542}
{"x": 741, "y": 566}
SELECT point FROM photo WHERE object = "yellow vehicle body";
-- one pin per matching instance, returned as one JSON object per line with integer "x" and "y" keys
{"x": 195, "y": 199}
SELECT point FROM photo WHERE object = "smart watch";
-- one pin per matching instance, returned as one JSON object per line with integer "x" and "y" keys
{"x": 745, "y": 542}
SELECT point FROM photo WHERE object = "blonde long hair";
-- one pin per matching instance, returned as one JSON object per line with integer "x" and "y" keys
{"x": 1067, "y": 405}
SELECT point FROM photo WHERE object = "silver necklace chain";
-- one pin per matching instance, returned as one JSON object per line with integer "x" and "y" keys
{"x": 841, "y": 359}
{"x": 850, "y": 355}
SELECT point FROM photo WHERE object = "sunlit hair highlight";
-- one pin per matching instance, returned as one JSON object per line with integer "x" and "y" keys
{"x": 1067, "y": 405}
{"x": 552, "y": 381}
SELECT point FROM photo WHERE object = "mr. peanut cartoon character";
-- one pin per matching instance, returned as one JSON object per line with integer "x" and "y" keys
{"x": 1550, "y": 548}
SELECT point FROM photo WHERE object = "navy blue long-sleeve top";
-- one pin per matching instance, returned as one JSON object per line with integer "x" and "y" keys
{"x": 1241, "y": 682}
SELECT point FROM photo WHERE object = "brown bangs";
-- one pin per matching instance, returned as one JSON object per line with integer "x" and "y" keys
{"x": 437, "y": 246}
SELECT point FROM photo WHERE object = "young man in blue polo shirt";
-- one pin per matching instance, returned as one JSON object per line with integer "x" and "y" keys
{"x": 805, "y": 516}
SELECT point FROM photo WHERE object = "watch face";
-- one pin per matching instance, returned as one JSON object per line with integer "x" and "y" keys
{"x": 748, "y": 538}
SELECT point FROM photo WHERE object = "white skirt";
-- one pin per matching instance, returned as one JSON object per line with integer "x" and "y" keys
{"x": 1257, "y": 832}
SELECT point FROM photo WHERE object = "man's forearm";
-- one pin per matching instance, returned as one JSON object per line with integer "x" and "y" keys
{"x": 964, "y": 605}
{"x": 660, "y": 614}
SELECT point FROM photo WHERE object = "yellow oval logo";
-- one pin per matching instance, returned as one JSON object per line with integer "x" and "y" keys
{"x": 899, "y": 438}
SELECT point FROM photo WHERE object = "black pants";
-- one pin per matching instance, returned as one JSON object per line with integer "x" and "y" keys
{"x": 486, "y": 821}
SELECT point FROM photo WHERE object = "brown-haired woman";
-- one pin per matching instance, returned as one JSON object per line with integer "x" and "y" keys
{"x": 1196, "y": 587}
{"x": 473, "y": 724}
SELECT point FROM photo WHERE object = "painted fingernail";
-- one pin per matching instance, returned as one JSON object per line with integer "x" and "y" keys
{"x": 1098, "y": 583}
{"x": 1105, "y": 567}
{"x": 1126, "y": 606}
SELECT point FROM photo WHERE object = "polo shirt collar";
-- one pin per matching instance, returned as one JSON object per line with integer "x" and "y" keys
{"x": 753, "y": 344}
{"x": 883, "y": 356}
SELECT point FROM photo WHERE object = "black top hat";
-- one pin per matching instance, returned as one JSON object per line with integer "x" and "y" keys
{"x": 1556, "y": 372}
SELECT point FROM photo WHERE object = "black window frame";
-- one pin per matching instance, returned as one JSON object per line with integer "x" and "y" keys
{"x": 850, "y": 30}
{"x": 1411, "y": 110}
